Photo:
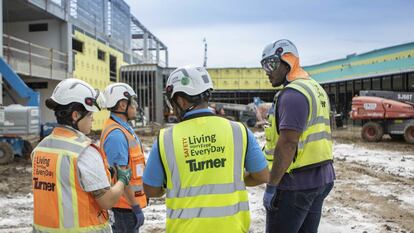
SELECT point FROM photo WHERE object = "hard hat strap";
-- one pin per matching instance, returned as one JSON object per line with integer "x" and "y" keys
{"x": 75, "y": 123}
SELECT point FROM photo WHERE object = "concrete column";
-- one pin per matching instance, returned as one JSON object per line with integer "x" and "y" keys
{"x": 67, "y": 40}
{"x": 166, "y": 57}
{"x": 145, "y": 47}
{"x": 157, "y": 54}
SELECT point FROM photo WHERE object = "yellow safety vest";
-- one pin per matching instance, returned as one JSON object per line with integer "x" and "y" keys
{"x": 60, "y": 204}
{"x": 315, "y": 143}
{"x": 203, "y": 158}
{"x": 271, "y": 137}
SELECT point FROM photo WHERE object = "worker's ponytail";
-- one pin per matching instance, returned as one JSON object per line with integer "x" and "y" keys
{"x": 51, "y": 104}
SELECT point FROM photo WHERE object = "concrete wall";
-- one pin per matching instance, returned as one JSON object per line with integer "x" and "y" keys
{"x": 46, "y": 114}
{"x": 55, "y": 37}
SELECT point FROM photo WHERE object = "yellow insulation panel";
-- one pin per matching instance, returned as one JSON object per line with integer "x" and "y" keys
{"x": 239, "y": 79}
{"x": 95, "y": 71}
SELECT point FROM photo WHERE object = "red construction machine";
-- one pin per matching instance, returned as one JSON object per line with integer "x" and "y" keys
{"x": 385, "y": 112}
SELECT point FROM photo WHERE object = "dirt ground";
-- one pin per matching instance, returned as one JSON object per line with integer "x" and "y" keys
{"x": 350, "y": 193}
{"x": 15, "y": 180}
{"x": 353, "y": 135}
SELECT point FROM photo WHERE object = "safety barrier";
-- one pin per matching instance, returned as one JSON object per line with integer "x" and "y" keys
{"x": 34, "y": 60}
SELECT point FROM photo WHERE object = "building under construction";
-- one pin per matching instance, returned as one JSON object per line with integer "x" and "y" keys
{"x": 100, "y": 41}
{"x": 46, "y": 41}
{"x": 389, "y": 68}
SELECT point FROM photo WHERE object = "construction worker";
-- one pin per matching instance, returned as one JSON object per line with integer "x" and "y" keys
{"x": 121, "y": 146}
{"x": 302, "y": 174}
{"x": 201, "y": 161}
{"x": 71, "y": 188}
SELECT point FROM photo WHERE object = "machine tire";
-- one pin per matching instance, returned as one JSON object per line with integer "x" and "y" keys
{"x": 6, "y": 153}
{"x": 397, "y": 137}
{"x": 372, "y": 132}
{"x": 409, "y": 134}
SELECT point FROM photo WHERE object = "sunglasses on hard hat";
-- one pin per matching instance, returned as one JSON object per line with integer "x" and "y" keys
{"x": 97, "y": 101}
{"x": 134, "y": 101}
{"x": 270, "y": 64}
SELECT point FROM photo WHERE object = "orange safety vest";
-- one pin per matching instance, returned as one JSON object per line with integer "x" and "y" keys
{"x": 60, "y": 203}
{"x": 136, "y": 162}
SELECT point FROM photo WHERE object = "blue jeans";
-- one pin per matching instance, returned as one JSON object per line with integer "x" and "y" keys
{"x": 125, "y": 221}
{"x": 297, "y": 211}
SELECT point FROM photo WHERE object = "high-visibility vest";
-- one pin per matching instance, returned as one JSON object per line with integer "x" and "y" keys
{"x": 136, "y": 161}
{"x": 271, "y": 137}
{"x": 315, "y": 143}
{"x": 203, "y": 159}
{"x": 60, "y": 204}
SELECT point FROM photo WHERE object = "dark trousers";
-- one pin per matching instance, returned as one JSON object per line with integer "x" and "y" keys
{"x": 125, "y": 221}
{"x": 297, "y": 211}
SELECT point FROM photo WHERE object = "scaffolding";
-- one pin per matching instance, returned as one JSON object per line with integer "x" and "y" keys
{"x": 146, "y": 46}
{"x": 111, "y": 21}
{"x": 148, "y": 81}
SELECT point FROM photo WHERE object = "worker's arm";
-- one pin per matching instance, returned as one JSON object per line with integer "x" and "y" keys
{"x": 256, "y": 178}
{"x": 109, "y": 196}
{"x": 293, "y": 112}
{"x": 94, "y": 180}
{"x": 284, "y": 153}
{"x": 129, "y": 193}
{"x": 154, "y": 174}
{"x": 107, "y": 199}
{"x": 151, "y": 191}
{"x": 257, "y": 171}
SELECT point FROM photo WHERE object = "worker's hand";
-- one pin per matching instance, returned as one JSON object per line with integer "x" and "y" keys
{"x": 123, "y": 174}
{"x": 268, "y": 197}
{"x": 138, "y": 215}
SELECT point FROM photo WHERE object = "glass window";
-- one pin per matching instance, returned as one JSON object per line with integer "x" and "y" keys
{"x": 398, "y": 83}
{"x": 101, "y": 55}
{"x": 410, "y": 82}
{"x": 358, "y": 86}
{"x": 366, "y": 84}
{"x": 376, "y": 84}
{"x": 77, "y": 45}
{"x": 386, "y": 83}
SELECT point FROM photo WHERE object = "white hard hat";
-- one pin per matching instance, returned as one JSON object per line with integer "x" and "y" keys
{"x": 279, "y": 48}
{"x": 116, "y": 92}
{"x": 73, "y": 90}
{"x": 190, "y": 80}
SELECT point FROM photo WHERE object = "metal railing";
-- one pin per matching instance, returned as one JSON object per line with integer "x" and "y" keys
{"x": 33, "y": 59}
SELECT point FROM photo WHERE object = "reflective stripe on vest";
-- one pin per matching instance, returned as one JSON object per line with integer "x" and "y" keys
{"x": 315, "y": 143}
{"x": 195, "y": 203}
{"x": 211, "y": 212}
{"x": 271, "y": 138}
{"x": 60, "y": 204}
{"x": 136, "y": 162}
{"x": 315, "y": 119}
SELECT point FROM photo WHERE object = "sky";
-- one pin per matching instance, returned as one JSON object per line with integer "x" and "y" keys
{"x": 237, "y": 31}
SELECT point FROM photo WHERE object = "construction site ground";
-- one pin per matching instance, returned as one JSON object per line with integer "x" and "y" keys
{"x": 374, "y": 190}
